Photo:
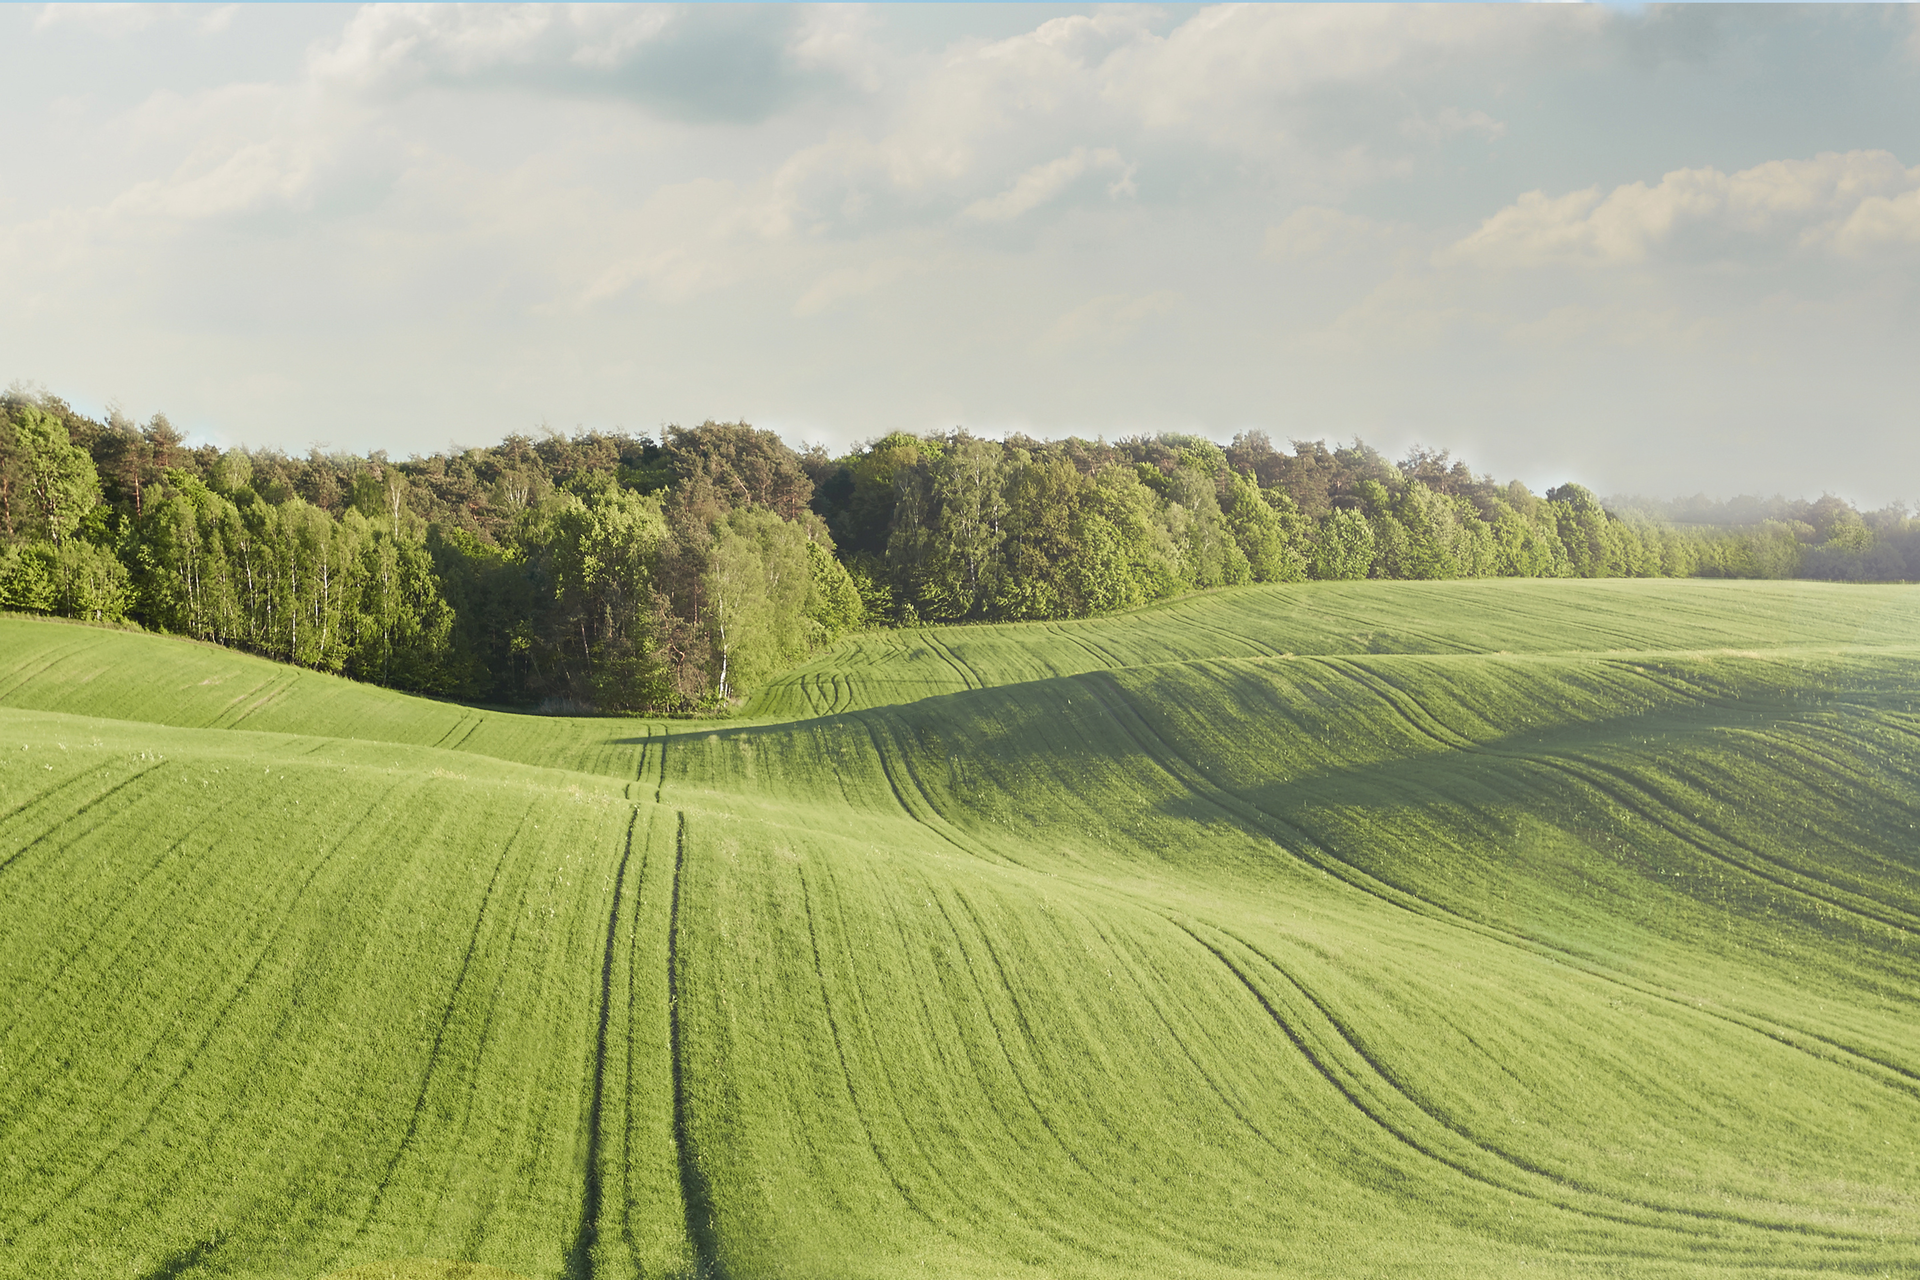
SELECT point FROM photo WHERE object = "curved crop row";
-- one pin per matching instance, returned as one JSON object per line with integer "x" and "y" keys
{"x": 1283, "y": 932}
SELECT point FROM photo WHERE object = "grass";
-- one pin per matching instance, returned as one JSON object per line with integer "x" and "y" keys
{"x": 424, "y": 1269}
{"x": 1351, "y": 929}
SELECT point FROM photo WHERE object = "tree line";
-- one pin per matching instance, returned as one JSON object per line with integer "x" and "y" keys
{"x": 610, "y": 571}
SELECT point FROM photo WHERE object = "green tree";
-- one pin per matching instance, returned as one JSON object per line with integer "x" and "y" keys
{"x": 1120, "y": 498}
{"x": 400, "y": 627}
{"x": 1043, "y": 504}
{"x": 1343, "y": 549}
{"x": 57, "y": 481}
{"x": 1427, "y": 545}
{"x": 834, "y": 605}
{"x": 1524, "y": 548}
{"x": 748, "y": 467}
{"x": 602, "y": 556}
{"x": 1582, "y": 526}
{"x": 1261, "y": 532}
{"x": 756, "y": 590}
{"x": 968, "y": 498}
{"x": 73, "y": 580}
{"x": 1208, "y": 553}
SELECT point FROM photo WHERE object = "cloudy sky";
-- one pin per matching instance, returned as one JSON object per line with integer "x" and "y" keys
{"x": 1653, "y": 250}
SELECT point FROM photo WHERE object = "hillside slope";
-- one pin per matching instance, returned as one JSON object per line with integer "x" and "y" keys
{"x": 1483, "y": 927}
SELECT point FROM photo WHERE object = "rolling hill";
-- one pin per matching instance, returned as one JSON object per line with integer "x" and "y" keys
{"x": 1473, "y": 928}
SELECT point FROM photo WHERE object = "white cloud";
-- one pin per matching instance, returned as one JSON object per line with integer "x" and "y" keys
{"x": 107, "y": 19}
{"x": 1450, "y": 122}
{"x": 738, "y": 63}
{"x": 1108, "y": 321}
{"x": 403, "y": 44}
{"x": 1045, "y": 182}
{"x": 840, "y": 38}
{"x": 687, "y": 239}
{"x": 261, "y": 175}
{"x": 1316, "y": 232}
{"x": 1856, "y": 204}
{"x": 1227, "y": 70}
{"x": 855, "y": 282}
{"x": 1663, "y": 328}
{"x": 115, "y": 20}
{"x": 1879, "y": 223}
{"x": 407, "y": 217}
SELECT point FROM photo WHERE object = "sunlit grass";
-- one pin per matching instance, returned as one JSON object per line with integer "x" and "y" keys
{"x": 1472, "y": 928}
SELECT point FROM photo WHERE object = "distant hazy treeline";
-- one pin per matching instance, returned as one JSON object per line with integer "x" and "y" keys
{"x": 616, "y": 572}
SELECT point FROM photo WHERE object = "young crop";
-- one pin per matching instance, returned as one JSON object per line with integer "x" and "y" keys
{"x": 1467, "y": 928}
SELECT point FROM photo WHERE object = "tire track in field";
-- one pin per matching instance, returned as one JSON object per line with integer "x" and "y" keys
{"x": 929, "y": 1018}
{"x": 1446, "y": 916}
{"x": 157, "y": 1192}
{"x": 50, "y": 658}
{"x": 1171, "y": 1232}
{"x": 518, "y": 917}
{"x": 1386, "y": 1075}
{"x": 472, "y": 724}
{"x": 1100, "y": 662}
{"x": 52, "y": 982}
{"x": 840, "y": 1052}
{"x": 1199, "y": 791}
{"x": 1105, "y": 656}
{"x": 1312, "y": 853}
{"x": 968, "y": 678}
{"x": 632, "y": 1057}
{"x": 272, "y": 686}
{"x": 1836, "y": 1053}
{"x": 1138, "y": 956}
{"x": 44, "y": 796}
{"x": 1419, "y": 720}
{"x": 666, "y": 741}
{"x": 1043, "y": 1223}
{"x": 1878, "y": 1069}
{"x": 1825, "y": 756}
{"x": 936, "y": 825}
{"x": 1347, "y": 1084}
{"x": 640, "y": 765}
{"x": 226, "y": 1009}
{"x": 1621, "y": 789}
{"x": 1027, "y": 1037}
{"x": 1194, "y": 782}
{"x": 579, "y": 1264}
{"x": 1643, "y": 802}
{"x": 440, "y": 1035}
{"x": 696, "y": 1194}
{"x": 627, "y": 1110}
{"x": 1189, "y": 616}
{"x": 1416, "y": 717}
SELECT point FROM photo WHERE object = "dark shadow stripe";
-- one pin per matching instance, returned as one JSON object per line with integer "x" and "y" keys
{"x": 695, "y": 1195}
{"x": 580, "y": 1257}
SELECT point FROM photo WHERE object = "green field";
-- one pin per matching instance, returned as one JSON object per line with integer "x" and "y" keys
{"x": 1345, "y": 929}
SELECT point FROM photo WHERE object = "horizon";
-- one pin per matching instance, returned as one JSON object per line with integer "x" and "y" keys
{"x": 456, "y": 448}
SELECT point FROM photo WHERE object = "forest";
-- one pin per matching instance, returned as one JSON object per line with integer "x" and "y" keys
{"x": 612, "y": 572}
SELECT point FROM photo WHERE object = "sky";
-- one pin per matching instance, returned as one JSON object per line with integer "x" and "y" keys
{"x": 1654, "y": 250}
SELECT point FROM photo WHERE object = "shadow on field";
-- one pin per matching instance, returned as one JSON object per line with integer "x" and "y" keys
{"x": 181, "y": 1261}
{"x": 1761, "y": 791}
